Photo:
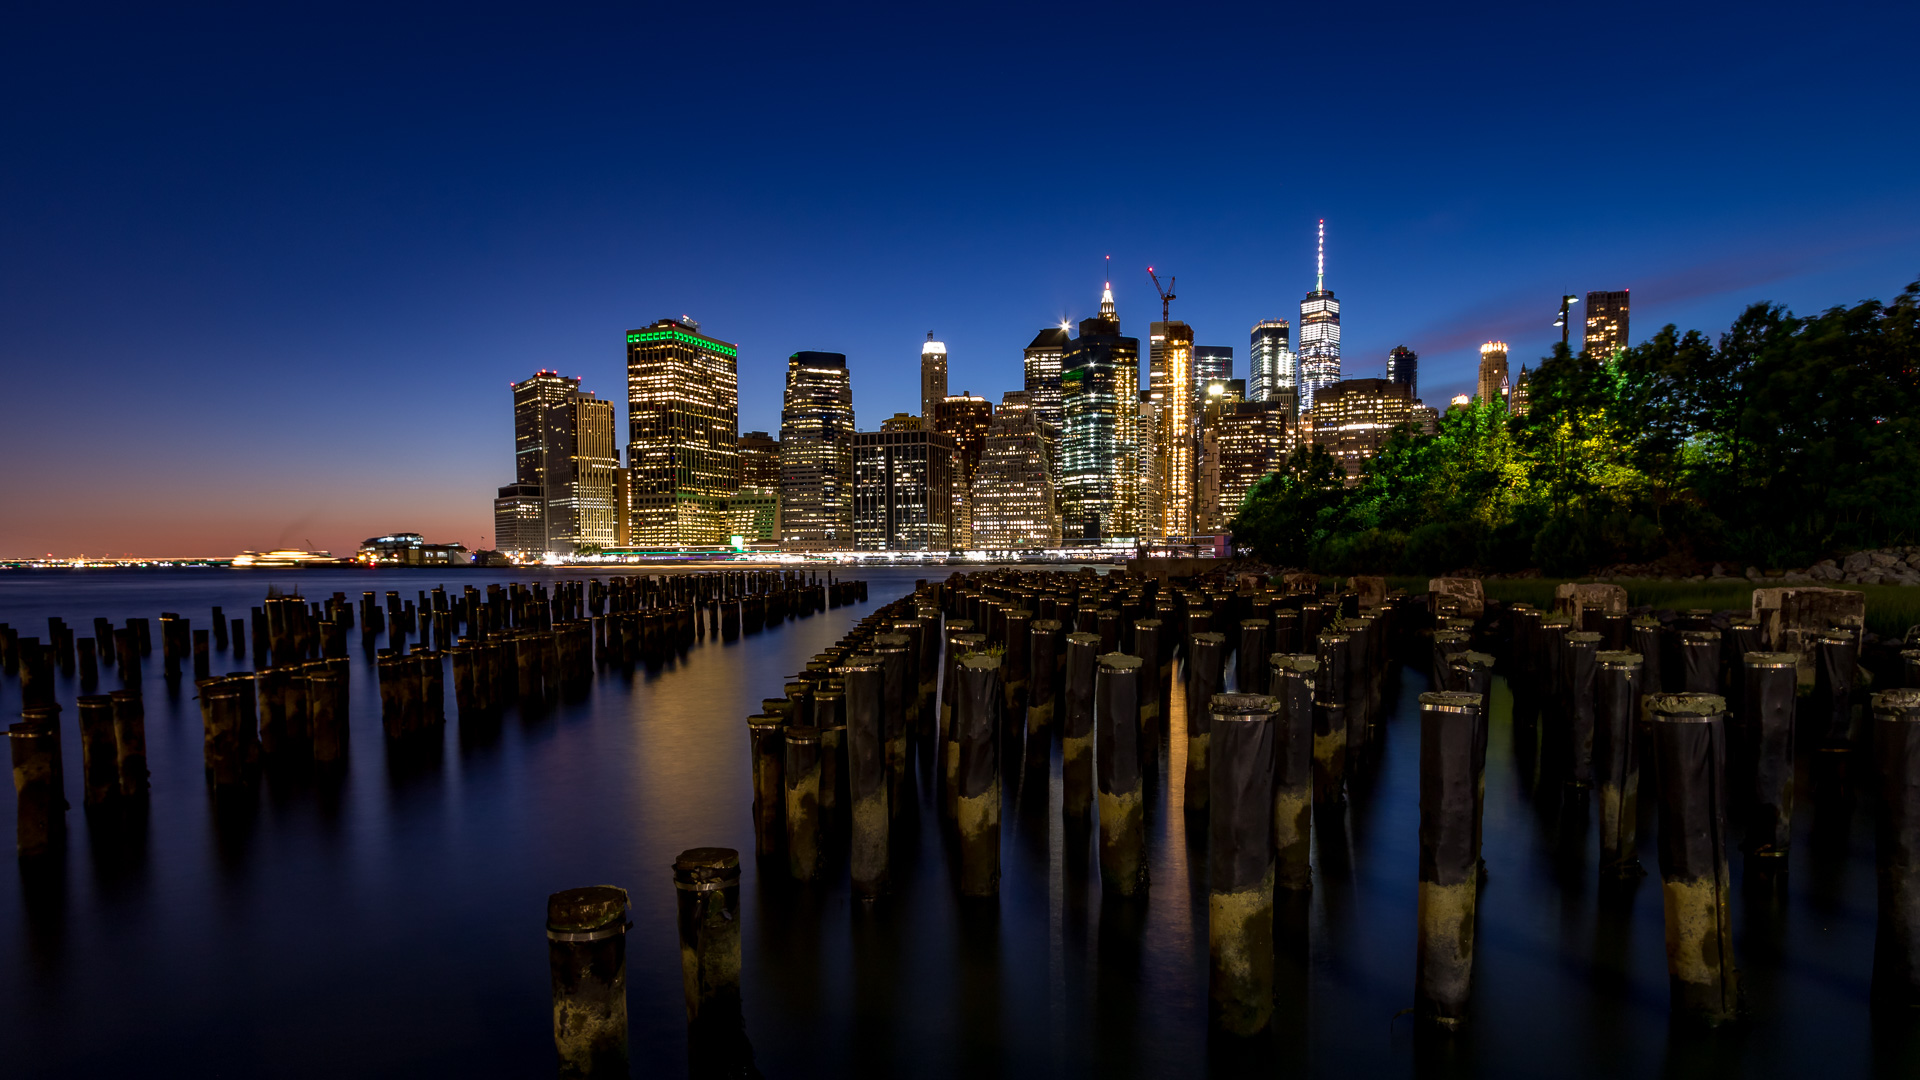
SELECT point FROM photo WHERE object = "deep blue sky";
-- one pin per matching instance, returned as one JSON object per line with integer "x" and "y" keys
{"x": 267, "y": 272}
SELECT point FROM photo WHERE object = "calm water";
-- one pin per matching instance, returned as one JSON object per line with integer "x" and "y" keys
{"x": 392, "y": 922}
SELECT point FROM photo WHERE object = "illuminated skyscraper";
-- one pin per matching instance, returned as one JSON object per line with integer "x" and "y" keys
{"x": 816, "y": 454}
{"x": 1099, "y": 394}
{"x": 1151, "y": 466}
{"x": 531, "y": 400}
{"x": 1272, "y": 369}
{"x": 964, "y": 419}
{"x": 1607, "y": 322}
{"x": 581, "y": 463}
{"x": 1319, "y": 332}
{"x": 520, "y": 522}
{"x": 683, "y": 431}
{"x": 1043, "y": 373}
{"x": 1354, "y": 418}
{"x": 903, "y": 478}
{"x": 1492, "y": 387}
{"x": 1211, "y": 363}
{"x": 1013, "y": 503}
{"x": 1244, "y": 441}
{"x": 1403, "y": 367}
{"x": 933, "y": 375}
{"x": 759, "y": 462}
{"x": 1176, "y": 393}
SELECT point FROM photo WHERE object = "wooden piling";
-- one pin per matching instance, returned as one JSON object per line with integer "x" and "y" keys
{"x": 1689, "y": 746}
{"x": 801, "y": 776}
{"x": 1076, "y": 727}
{"x": 1240, "y": 867}
{"x": 1449, "y": 863}
{"x": 587, "y": 964}
{"x": 1206, "y": 677}
{"x": 1896, "y": 940}
{"x": 1616, "y": 759}
{"x": 1769, "y": 684}
{"x": 977, "y": 781}
{"x": 1123, "y": 865}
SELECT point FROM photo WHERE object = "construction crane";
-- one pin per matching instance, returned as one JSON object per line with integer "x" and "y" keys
{"x": 1166, "y": 294}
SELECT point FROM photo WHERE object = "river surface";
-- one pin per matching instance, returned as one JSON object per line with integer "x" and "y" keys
{"x": 391, "y": 922}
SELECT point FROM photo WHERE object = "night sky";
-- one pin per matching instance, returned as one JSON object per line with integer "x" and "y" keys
{"x": 268, "y": 273}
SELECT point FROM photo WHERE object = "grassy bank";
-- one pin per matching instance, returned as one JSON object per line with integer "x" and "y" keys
{"x": 1890, "y": 608}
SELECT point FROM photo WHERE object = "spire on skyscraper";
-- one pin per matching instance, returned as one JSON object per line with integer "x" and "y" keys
{"x": 1106, "y": 294}
{"x": 1320, "y": 271}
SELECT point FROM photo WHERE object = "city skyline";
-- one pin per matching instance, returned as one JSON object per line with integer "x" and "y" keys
{"x": 353, "y": 240}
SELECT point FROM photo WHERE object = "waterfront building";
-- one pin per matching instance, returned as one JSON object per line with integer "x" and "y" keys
{"x": 683, "y": 430}
{"x": 1175, "y": 392}
{"x": 816, "y": 454}
{"x": 408, "y": 549}
{"x": 1607, "y": 323}
{"x": 1013, "y": 498}
{"x": 1492, "y": 387}
{"x": 1043, "y": 374}
{"x": 1403, "y": 367}
{"x": 1272, "y": 368}
{"x": 1354, "y": 418}
{"x": 520, "y": 522}
{"x": 933, "y": 375}
{"x": 903, "y": 479}
{"x": 1099, "y": 394}
{"x": 580, "y": 475}
{"x": 1319, "y": 333}
{"x": 1244, "y": 442}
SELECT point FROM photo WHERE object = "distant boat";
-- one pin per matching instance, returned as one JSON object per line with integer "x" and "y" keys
{"x": 285, "y": 558}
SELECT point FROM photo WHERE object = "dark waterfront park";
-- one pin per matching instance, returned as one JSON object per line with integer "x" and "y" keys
{"x": 387, "y": 918}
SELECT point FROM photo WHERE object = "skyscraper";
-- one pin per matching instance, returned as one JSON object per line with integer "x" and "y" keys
{"x": 1043, "y": 373}
{"x": 531, "y": 400}
{"x": 1211, "y": 363}
{"x": 759, "y": 462}
{"x": 754, "y": 513}
{"x": 903, "y": 478}
{"x": 964, "y": 419}
{"x": 816, "y": 454}
{"x": 1319, "y": 332}
{"x": 1606, "y": 322}
{"x": 1354, "y": 418}
{"x": 1403, "y": 367}
{"x": 683, "y": 430}
{"x": 1150, "y": 466}
{"x": 1244, "y": 442}
{"x": 520, "y": 522}
{"x": 1492, "y": 386}
{"x": 1176, "y": 392}
{"x": 1272, "y": 369}
{"x": 1099, "y": 394}
{"x": 581, "y": 460}
{"x": 933, "y": 375}
{"x": 1013, "y": 504}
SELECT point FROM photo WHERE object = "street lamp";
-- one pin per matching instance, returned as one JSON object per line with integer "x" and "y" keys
{"x": 1565, "y": 319}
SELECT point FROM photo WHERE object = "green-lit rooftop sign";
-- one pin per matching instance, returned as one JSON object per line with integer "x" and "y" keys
{"x": 646, "y": 337}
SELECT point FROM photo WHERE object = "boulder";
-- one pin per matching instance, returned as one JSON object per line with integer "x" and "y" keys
{"x": 1372, "y": 590}
{"x": 1884, "y": 559}
{"x": 1464, "y": 591}
{"x": 1574, "y": 600}
{"x": 1857, "y": 562}
{"x": 1789, "y": 617}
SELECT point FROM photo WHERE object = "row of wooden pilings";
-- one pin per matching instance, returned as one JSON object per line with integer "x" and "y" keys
{"x": 526, "y": 645}
{"x": 987, "y": 664}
